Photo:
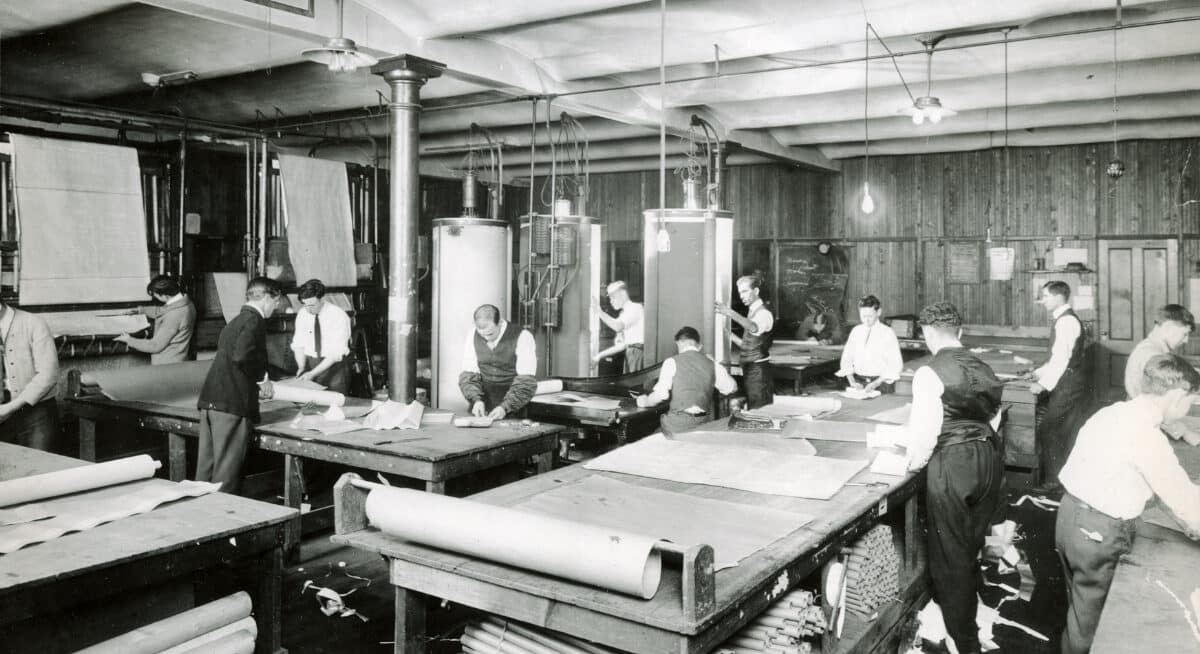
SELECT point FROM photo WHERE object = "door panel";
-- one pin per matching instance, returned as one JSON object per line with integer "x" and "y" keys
{"x": 1136, "y": 278}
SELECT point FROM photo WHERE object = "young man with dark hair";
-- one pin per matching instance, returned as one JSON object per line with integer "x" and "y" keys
{"x": 871, "y": 359}
{"x": 754, "y": 343}
{"x": 499, "y": 365}
{"x": 955, "y": 413}
{"x": 1061, "y": 385}
{"x": 321, "y": 341}
{"x": 237, "y": 379}
{"x": 28, "y": 380}
{"x": 1120, "y": 461}
{"x": 1173, "y": 324}
{"x": 688, "y": 379}
{"x": 173, "y": 323}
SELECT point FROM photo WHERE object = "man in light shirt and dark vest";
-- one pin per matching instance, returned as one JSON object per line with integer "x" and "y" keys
{"x": 498, "y": 366}
{"x": 754, "y": 343}
{"x": 1061, "y": 385}
{"x": 1120, "y": 461}
{"x": 173, "y": 323}
{"x": 688, "y": 379}
{"x": 321, "y": 341}
{"x": 629, "y": 325}
{"x": 952, "y": 428}
{"x": 871, "y": 359}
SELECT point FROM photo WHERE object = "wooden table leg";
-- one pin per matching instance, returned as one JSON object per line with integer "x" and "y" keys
{"x": 438, "y": 487}
{"x": 176, "y": 456}
{"x": 87, "y": 439}
{"x": 268, "y": 602}
{"x": 545, "y": 462}
{"x": 410, "y": 622}
{"x": 293, "y": 494}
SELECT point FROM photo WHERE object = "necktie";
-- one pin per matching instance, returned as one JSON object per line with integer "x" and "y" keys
{"x": 317, "y": 335}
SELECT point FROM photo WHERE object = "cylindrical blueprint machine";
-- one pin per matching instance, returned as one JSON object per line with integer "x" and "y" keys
{"x": 471, "y": 266}
{"x": 687, "y": 268}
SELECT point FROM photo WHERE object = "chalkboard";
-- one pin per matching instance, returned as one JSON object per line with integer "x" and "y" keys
{"x": 808, "y": 281}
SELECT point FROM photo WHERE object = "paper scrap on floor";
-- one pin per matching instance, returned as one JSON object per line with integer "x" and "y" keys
{"x": 395, "y": 415}
{"x": 729, "y": 466}
{"x": 734, "y": 531}
{"x": 787, "y": 406}
{"x": 896, "y": 415}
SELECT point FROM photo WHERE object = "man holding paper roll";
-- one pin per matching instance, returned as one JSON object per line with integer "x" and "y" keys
{"x": 237, "y": 379}
{"x": 498, "y": 366}
{"x": 952, "y": 428}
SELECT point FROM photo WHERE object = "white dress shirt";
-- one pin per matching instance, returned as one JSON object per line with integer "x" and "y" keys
{"x": 872, "y": 352}
{"x": 1065, "y": 334}
{"x": 1121, "y": 460}
{"x": 666, "y": 380}
{"x": 634, "y": 326}
{"x": 526, "y": 351}
{"x": 335, "y": 333}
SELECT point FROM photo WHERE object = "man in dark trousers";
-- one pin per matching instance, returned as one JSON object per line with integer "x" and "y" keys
{"x": 498, "y": 366}
{"x": 688, "y": 379}
{"x": 1061, "y": 385}
{"x": 955, "y": 413}
{"x": 755, "y": 341}
{"x": 237, "y": 379}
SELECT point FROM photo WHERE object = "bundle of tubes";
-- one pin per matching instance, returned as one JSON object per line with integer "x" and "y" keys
{"x": 224, "y": 626}
{"x": 872, "y": 571}
{"x": 495, "y": 635}
{"x": 784, "y": 628}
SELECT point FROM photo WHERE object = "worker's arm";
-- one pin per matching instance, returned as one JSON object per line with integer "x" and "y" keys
{"x": 1167, "y": 478}
{"x": 846, "y": 369}
{"x": 45, "y": 369}
{"x": 662, "y": 388}
{"x": 1180, "y": 431}
{"x": 746, "y": 323}
{"x": 333, "y": 349}
{"x": 525, "y": 384}
{"x": 470, "y": 381}
{"x": 724, "y": 381}
{"x": 249, "y": 350}
{"x": 615, "y": 349}
{"x": 925, "y": 420}
{"x": 165, "y": 331}
{"x": 301, "y": 328}
{"x": 614, "y": 324}
{"x": 893, "y": 361}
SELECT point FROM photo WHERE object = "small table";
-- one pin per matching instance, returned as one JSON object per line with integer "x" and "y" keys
{"x": 173, "y": 541}
{"x": 625, "y": 422}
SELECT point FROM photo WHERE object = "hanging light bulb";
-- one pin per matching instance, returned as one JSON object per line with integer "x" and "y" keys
{"x": 935, "y": 114}
{"x": 868, "y": 203}
{"x": 918, "y": 117}
{"x": 663, "y": 240}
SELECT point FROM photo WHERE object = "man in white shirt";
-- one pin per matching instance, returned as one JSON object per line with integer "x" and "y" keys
{"x": 629, "y": 326}
{"x": 688, "y": 379}
{"x": 321, "y": 341}
{"x": 871, "y": 359}
{"x": 952, "y": 428}
{"x": 1061, "y": 385}
{"x": 498, "y": 366}
{"x": 755, "y": 342}
{"x": 1120, "y": 461}
{"x": 1173, "y": 324}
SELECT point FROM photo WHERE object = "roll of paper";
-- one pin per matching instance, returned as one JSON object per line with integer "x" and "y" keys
{"x": 240, "y": 642}
{"x": 182, "y": 628}
{"x": 305, "y": 395}
{"x": 75, "y": 480}
{"x": 607, "y": 558}
{"x": 549, "y": 386}
{"x": 200, "y": 643}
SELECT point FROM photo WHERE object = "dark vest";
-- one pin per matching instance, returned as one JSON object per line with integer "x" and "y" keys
{"x": 755, "y": 347}
{"x": 498, "y": 365}
{"x": 693, "y": 382}
{"x": 971, "y": 396}
{"x": 1076, "y": 361}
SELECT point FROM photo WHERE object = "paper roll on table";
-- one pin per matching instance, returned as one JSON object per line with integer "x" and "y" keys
{"x": 74, "y": 480}
{"x": 299, "y": 395}
{"x": 548, "y": 386}
{"x": 621, "y": 561}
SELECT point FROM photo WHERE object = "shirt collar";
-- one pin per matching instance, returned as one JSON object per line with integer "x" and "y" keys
{"x": 6, "y": 318}
{"x": 1061, "y": 310}
{"x": 689, "y": 348}
{"x": 757, "y": 303}
{"x": 175, "y": 300}
{"x": 255, "y": 308}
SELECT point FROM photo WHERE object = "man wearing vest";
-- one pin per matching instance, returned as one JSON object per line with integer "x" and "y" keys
{"x": 173, "y": 323}
{"x": 755, "y": 341}
{"x": 688, "y": 379}
{"x": 1061, "y": 385}
{"x": 498, "y": 366}
{"x": 955, "y": 412}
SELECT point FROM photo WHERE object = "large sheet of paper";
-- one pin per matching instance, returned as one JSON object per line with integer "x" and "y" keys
{"x": 92, "y": 323}
{"x": 786, "y": 406}
{"x": 175, "y": 384}
{"x": 734, "y": 531}
{"x": 896, "y": 415}
{"x": 231, "y": 292}
{"x": 317, "y": 204}
{"x": 730, "y": 466}
{"x": 828, "y": 430}
{"x": 83, "y": 223}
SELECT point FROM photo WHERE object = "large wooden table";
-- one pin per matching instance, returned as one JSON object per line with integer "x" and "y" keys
{"x": 674, "y": 621}
{"x": 1140, "y": 615}
{"x": 174, "y": 541}
{"x": 433, "y": 454}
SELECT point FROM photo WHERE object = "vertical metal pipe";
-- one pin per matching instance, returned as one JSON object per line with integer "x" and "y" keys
{"x": 265, "y": 165}
{"x": 182, "y": 195}
{"x": 405, "y": 74}
{"x": 248, "y": 239}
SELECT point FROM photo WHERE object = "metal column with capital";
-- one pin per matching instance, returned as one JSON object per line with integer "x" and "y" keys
{"x": 405, "y": 74}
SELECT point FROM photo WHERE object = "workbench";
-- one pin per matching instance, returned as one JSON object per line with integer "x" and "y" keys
{"x": 798, "y": 361}
{"x": 182, "y": 540}
{"x": 432, "y": 454}
{"x": 624, "y": 423}
{"x": 1140, "y": 615}
{"x": 694, "y": 609}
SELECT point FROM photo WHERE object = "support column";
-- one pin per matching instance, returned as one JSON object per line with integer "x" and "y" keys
{"x": 405, "y": 74}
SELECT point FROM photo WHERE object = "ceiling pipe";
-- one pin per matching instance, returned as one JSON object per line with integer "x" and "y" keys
{"x": 598, "y": 129}
{"x": 70, "y": 110}
{"x": 651, "y": 164}
{"x": 597, "y": 151}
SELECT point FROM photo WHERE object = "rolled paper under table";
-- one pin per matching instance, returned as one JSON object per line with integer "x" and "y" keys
{"x": 240, "y": 642}
{"x": 246, "y": 624}
{"x": 562, "y": 646}
{"x": 532, "y": 644}
{"x": 75, "y": 480}
{"x": 606, "y": 558}
{"x": 305, "y": 395}
{"x": 167, "y": 633}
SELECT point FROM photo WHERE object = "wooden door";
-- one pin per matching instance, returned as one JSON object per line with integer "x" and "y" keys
{"x": 1136, "y": 278}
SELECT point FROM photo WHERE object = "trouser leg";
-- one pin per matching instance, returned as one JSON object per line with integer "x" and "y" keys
{"x": 759, "y": 386}
{"x": 633, "y": 359}
{"x": 224, "y": 439}
{"x": 1064, "y": 412}
{"x": 1088, "y": 566}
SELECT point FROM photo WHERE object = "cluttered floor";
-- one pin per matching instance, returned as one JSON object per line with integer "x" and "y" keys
{"x": 1028, "y": 590}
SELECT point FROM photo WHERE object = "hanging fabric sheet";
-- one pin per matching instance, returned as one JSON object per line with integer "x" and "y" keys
{"x": 317, "y": 207}
{"x": 83, "y": 222}
{"x": 175, "y": 384}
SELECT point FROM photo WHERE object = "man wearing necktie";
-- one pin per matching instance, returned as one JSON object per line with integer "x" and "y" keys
{"x": 321, "y": 341}
{"x": 871, "y": 359}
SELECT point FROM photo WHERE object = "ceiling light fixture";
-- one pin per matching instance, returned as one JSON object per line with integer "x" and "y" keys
{"x": 340, "y": 54}
{"x": 1116, "y": 167}
{"x": 868, "y": 203}
{"x": 928, "y": 107}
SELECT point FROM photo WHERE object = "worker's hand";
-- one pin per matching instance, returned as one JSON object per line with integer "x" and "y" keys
{"x": 306, "y": 375}
{"x": 123, "y": 338}
{"x": 7, "y": 410}
{"x": 266, "y": 390}
{"x": 478, "y": 410}
{"x": 873, "y": 385}
{"x": 1036, "y": 388}
{"x": 1191, "y": 438}
{"x": 597, "y": 358}
{"x": 853, "y": 383}
{"x": 722, "y": 308}
{"x": 596, "y": 303}
{"x": 498, "y": 413}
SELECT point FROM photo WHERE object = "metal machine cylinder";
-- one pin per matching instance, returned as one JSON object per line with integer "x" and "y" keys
{"x": 471, "y": 263}
{"x": 541, "y": 234}
{"x": 468, "y": 192}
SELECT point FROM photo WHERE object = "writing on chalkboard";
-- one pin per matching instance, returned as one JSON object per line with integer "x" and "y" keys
{"x": 811, "y": 289}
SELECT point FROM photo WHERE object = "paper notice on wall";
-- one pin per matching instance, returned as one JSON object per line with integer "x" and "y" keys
{"x": 1064, "y": 256}
{"x": 1000, "y": 263}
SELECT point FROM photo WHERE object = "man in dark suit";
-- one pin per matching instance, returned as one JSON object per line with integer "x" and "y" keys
{"x": 237, "y": 379}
